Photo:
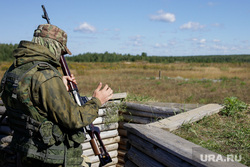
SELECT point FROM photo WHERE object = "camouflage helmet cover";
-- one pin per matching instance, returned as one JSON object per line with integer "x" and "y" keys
{"x": 52, "y": 32}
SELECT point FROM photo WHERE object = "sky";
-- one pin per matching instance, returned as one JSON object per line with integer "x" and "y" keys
{"x": 156, "y": 27}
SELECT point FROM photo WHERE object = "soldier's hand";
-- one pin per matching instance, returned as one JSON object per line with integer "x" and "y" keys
{"x": 66, "y": 79}
{"x": 103, "y": 94}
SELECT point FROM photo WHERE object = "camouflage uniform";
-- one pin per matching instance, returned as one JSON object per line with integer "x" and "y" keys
{"x": 46, "y": 121}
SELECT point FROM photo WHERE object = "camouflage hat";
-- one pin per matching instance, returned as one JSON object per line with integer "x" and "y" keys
{"x": 52, "y": 32}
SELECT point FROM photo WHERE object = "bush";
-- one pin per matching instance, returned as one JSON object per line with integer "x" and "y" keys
{"x": 232, "y": 105}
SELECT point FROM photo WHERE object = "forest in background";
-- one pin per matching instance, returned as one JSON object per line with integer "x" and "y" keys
{"x": 7, "y": 49}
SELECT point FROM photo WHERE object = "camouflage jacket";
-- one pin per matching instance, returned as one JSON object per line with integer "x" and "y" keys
{"x": 42, "y": 96}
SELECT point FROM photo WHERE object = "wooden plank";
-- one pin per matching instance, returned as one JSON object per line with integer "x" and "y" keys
{"x": 123, "y": 140}
{"x": 130, "y": 164}
{"x": 156, "y": 152}
{"x": 141, "y": 159}
{"x": 136, "y": 119}
{"x": 122, "y": 132}
{"x": 176, "y": 121}
{"x": 119, "y": 96}
{"x": 147, "y": 114}
{"x": 176, "y": 145}
{"x": 121, "y": 123}
{"x": 184, "y": 107}
{"x": 121, "y": 153}
{"x": 123, "y": 147}
{"x": 121, "y": 160}
{"x": 154, "y": 109}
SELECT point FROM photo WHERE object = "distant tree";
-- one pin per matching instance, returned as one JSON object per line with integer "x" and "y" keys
{"x": 6, "y": 51}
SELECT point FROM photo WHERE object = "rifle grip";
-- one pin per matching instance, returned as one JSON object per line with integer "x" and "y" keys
{"x": 95, "y": 147}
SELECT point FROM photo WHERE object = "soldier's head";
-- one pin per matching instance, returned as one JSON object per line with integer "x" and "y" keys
{"x": 53, "y": 38}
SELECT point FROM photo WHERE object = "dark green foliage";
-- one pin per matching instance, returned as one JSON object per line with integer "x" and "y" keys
{"x": 6, "y": 51}
{"x": 114, "y": 57}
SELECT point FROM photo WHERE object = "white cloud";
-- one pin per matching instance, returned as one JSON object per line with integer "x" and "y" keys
{"x": 192, "y": 26}
{"x": 162, "y": 16}
{"x": 86, "y": 28}
{"x": 216, "y": 40}
{"x": 203, "y": 41}
{"x": 158, "y": 45}
{"x": 136, "y": 40}
{"x": 211, "y": 4}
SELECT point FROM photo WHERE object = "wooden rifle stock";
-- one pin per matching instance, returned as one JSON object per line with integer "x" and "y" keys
{"x": 94, "y": 132}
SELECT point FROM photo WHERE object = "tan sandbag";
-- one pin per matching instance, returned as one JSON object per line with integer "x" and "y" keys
{"x": 5, "y": 139}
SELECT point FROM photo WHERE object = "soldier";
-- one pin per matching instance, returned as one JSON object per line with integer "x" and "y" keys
{"x": 46, "y": 121}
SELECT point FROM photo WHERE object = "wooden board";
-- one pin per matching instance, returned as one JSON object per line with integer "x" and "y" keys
{"x": 141, "y": 159}
{"x": 174, "y": 122}
{"x": 176, "y": 145}
{"x": 153, "y": 109}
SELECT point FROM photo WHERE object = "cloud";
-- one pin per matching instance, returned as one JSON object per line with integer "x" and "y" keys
{"x": 159, "y": 45}
{"x": 136, "y": 40}
{"x": 192, "y": 26}
{"x": 211, "y": 4}
{"x": 162, "y": 16}
{"x": 216, "y": 40}
{"x": 85, "y": 28}
{"x": 200, "y": 41}
{"x": 203, "y": 41}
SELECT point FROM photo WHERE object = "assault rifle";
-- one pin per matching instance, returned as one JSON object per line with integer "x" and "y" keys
{"x": 94, "y": 132}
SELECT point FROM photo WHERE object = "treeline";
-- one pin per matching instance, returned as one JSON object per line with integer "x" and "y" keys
{"x": 114, "y": 57}
{"x": 7, "y": 49}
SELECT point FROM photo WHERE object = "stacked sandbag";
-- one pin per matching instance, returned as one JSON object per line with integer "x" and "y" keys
{"x": 6, "y": 154}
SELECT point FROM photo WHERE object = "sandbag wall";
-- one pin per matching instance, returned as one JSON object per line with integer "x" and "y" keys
{"x": 5, "y": 137}
{"x": 109, "y": 133}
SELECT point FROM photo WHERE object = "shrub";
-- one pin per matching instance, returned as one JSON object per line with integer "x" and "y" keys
{"x": 232, "y": 105}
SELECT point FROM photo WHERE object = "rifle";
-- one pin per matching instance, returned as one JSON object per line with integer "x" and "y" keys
{"x": 94, "y": 132}
{"x": 45, "y": 15}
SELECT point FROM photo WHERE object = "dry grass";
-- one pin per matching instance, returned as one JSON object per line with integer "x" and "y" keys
{"x": 180, "y": 82}
{"x": 141, "y": 80}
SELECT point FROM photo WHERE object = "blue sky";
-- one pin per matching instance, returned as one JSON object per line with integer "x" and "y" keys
{"x": 157, "y": 27}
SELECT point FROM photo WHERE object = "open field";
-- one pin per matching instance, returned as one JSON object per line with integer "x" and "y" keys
{"x": 179, "y": 82}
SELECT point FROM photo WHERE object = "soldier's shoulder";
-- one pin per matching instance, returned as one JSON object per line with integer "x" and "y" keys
{"x": 45, "y": 72}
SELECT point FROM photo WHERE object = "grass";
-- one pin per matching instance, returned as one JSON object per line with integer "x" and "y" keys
{"x": 179, "y": 83}
{"x": 227, "y": 132}
{"x": 141, "y": 80}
